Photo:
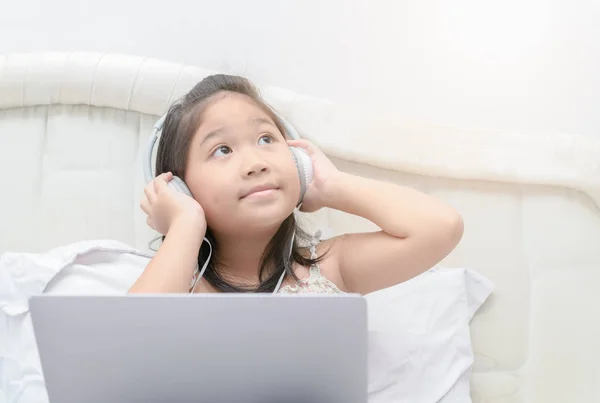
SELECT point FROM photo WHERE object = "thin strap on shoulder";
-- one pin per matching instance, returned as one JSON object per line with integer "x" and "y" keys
{"x": 315, "y": 270}
{"x": 315, "y": 240}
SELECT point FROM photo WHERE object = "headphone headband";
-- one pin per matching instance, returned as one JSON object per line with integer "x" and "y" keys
{"x": 148, "y": 172}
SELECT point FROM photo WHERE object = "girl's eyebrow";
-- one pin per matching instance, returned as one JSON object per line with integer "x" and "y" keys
{"x": 215, "y": 133}
{"x": 260, "y": 120}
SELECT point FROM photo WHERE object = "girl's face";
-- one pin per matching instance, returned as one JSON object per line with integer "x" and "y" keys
{"x": 240, "y": 168}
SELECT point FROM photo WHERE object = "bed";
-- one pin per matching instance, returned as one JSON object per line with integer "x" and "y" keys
{"x": 73, "y": 132}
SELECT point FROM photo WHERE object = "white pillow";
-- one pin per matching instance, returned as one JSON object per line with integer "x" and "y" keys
{"x": 419, "y": 342}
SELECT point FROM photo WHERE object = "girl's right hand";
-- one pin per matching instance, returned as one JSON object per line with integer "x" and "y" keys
{"x": 164, "y": 205}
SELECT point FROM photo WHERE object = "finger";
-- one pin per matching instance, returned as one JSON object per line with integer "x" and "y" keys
{"x": 298, "y": 143}
{"x": 160, "y": 183}
{"x": 304, "y": 144}
{"x": 166, "y": 176}
{"x": 150, "y": 192}
{"x": 145, "y": 206}
{"x": 159, "y": 186}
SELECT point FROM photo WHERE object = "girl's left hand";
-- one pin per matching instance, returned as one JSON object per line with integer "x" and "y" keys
{"x": 324, "y": 173}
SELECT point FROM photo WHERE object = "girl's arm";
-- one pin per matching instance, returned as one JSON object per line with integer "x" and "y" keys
{"x": 172, "y": 268}
{"x": 418, "y": 231}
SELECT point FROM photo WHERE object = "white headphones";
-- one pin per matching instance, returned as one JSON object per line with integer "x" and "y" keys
{"x": 301, "y": 158}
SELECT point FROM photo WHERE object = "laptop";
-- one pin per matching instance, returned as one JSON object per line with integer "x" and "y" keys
{"x": 246, "y": 348}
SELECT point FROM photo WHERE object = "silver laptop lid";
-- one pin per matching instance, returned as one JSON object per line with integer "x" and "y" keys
{"x": 202, "y": 348}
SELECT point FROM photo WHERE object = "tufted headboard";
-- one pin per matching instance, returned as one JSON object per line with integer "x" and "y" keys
{"x": 73, "y": 129}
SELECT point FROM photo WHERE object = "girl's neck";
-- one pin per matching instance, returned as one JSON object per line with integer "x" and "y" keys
{"x": 240, "y": 256}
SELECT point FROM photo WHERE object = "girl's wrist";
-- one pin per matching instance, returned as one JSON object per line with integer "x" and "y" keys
{"x": 335, "y": 190}
{"x": 193, "y": 225}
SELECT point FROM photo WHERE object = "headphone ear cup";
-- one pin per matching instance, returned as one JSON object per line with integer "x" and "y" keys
{"x": 179, "y": 185}
{"x": 305, "y": 169}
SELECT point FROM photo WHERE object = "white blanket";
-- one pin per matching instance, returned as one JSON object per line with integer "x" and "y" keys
{"x": 419, "y": 342}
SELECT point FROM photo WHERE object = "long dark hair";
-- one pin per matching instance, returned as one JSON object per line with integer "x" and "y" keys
{"x": 181, "y": 122}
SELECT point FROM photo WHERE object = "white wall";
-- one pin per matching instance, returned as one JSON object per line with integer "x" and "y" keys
{"x": 525, "y": 65}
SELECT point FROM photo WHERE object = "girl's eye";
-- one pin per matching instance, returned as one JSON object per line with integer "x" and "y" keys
{"x": 222, "y": 150}
{"x": 266, "y": 139}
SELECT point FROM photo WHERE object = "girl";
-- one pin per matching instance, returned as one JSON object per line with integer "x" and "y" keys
{"x": 231, "y": 151}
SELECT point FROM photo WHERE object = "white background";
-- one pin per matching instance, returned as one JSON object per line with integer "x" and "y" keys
{"x": 527, "y": 66}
